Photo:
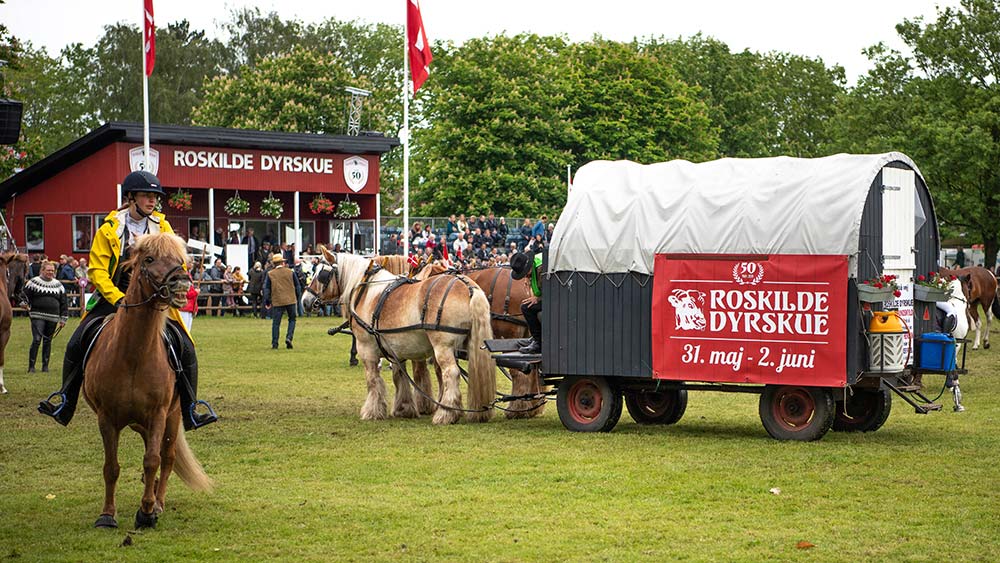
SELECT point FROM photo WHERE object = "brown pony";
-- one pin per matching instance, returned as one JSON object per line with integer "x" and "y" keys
{"x": 12, "y": 274}
{"x": 399, "y": 327}
{"x": 129, "y": 381}
{"x": 980, "y": 288}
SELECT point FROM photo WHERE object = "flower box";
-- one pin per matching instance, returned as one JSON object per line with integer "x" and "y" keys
{"x": 871, "y": 294}
{"x": 925, "y": 293}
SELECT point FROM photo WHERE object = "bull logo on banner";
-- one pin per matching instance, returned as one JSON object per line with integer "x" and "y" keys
{"x": 137, "y": 160}
{"x": 688, "y": 305}
{"x": 356, "y": 173}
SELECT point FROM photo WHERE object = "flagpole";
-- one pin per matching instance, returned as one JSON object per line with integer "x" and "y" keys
{"x": 405, "y": 134}
{"x": 145, "y": 91}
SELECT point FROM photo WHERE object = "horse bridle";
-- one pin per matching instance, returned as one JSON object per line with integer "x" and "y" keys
{"x": 328, "y": 274}
{"x": 162, "y": 288}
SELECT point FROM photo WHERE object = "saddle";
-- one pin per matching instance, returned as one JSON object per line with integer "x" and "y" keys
{"x": 172, "y": 339}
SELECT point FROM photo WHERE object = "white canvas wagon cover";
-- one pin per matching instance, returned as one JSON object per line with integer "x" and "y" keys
{"x": 620, "y": 214}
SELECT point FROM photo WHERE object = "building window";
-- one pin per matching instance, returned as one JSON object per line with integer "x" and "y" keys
{"x": 83, "y": 232}
{"x": 198, "y": 229}
{"x": 34, "y": 233}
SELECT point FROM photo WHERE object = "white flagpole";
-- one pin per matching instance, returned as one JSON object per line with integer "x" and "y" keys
{"x": 145, "y": 91}
{"x": 405, "y": 133}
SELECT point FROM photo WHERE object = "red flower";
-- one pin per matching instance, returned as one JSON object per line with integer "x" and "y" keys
{"x": 921, "y": 278}
{"x": 878, "y": 285}
{"x": 897, "y": 293}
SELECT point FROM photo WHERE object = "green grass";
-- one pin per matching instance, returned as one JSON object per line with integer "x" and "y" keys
{"x": 300, "y": 478}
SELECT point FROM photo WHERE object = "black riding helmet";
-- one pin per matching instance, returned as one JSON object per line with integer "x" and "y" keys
{"x": 142, "y": 181}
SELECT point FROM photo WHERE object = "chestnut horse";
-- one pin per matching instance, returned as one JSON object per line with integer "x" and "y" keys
{"x": 129, "y": 381}
{"x": 409, "y": 320}
{"x": 980, "y": 288}
{"x": 505, "y": 295}
{"x": 12, "y": 274}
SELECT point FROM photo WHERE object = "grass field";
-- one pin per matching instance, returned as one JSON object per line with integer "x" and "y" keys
{"x": 300, "y": 478}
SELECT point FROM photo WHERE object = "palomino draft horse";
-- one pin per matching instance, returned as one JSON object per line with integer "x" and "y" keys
{"x": 980, "y": 288}
{"x": 130, "y": 382}
{"x": 12, "y": 274}
{"x": 402, "y": 319}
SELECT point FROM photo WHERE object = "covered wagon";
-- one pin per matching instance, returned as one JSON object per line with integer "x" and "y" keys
{"x": 737, "y": 275}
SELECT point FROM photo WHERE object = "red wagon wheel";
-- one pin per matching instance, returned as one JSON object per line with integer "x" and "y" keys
{"x": 796, "y": 413}
{"x": 588, "y": 404}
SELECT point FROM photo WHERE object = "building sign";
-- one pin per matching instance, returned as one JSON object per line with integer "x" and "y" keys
{"x": 778, "y": 319}
{"x": 260, "y": 170}
{"x": 356, "y": 172}
{"x": 137, "y": 160}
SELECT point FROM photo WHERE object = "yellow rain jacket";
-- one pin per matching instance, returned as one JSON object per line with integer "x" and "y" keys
{"x": 105, "y": 254}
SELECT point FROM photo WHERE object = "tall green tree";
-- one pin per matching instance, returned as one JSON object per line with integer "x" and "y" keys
{"x": 112, "y": 72}
{"x": 764, "y": 104}
{"x": 506, "y": 115}
{"x": 300, "y": 92}
{"x": 942, "y": 107}
{"x": 497, "y": 127}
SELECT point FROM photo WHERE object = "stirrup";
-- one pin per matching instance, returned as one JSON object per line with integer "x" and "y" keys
{"x": 207, "y": 418}
{"x": 48, "y": 409}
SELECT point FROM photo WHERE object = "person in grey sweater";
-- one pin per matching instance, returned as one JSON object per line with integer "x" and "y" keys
{"x": 48, "y": 309}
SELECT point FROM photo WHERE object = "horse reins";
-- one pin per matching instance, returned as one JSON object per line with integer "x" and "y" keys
{"x": 162, "y": 288}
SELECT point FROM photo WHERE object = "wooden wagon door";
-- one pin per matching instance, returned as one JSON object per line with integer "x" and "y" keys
{"x": 899, "y": 203}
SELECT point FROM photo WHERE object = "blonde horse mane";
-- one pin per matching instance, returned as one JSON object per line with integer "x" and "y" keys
{"x": 160, "y": 244}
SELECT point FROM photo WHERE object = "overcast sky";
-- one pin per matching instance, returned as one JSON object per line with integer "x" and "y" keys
{"x": 833, "y": 31}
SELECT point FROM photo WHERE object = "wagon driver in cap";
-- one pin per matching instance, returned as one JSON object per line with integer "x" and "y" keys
{"x": 521, "y": 265}
{"x": 111, "y": 247}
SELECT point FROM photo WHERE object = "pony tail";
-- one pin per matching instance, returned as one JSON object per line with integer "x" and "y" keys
{"x": 482, "y": 368}
{"x": 188, "y": 468}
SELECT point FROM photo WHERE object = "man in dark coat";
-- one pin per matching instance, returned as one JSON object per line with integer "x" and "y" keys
{"x": 253, "y": 245}
{"x": 281, "y": 295}
{"x": 521, "y": 265}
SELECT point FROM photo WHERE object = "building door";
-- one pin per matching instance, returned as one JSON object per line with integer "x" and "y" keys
{"x": 357, "y": 237}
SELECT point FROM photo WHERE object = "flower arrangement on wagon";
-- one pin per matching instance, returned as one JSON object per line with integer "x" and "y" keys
{"x": 932, "y": 287}
{"x": 321, "y": 204}
{"x": 271, "y": 207}
{"x": 348, "y": 209}
{"x": 237, "y": 205}
{"x": 180, "y": 200}
{"x": 879, "y": 288}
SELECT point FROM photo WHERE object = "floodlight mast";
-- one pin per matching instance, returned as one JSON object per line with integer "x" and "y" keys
{"x": 354, "y": 106}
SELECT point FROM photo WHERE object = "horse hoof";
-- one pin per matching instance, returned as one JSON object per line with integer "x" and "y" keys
{"x": 987, "y": 345}
{"x": 143, "y": 520}
{"x": 106, "y": 521}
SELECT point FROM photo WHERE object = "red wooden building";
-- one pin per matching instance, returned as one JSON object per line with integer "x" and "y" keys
{"x": 55, "y": 206}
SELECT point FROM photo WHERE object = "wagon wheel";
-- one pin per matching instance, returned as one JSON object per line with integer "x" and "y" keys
{"x": 796, "y": 413}
{"x": 656, "y": 407}
{"x": 867, "y": 410}
{"x": 588, "y": 404}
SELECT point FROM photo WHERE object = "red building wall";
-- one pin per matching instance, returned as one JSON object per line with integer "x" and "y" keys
{"x": 89, "y": 187}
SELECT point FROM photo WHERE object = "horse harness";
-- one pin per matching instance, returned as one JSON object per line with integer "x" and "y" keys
{"x": 373, "y": 328}
{"x": 505, "y": 315}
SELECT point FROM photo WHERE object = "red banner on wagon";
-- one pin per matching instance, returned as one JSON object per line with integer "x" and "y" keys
{"x": 775, "y": 319}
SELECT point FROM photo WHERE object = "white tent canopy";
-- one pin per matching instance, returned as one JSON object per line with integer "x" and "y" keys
{"x": 620, "y": 214}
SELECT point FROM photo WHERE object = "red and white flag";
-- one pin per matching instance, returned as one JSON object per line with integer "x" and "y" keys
{"x": 420, "y": 51}
{"x": 149, "y": 37}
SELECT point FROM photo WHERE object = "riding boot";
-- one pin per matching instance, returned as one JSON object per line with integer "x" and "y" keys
{"x": 188, "y": 387}
{"x": 69, "y": 393}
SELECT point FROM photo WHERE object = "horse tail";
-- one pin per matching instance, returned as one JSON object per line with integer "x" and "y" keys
{"x": 482, "y": 368}
{"x": 188, "y": 468}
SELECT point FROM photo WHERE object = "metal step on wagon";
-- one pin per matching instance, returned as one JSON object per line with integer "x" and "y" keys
{"x": 737, "y": 275}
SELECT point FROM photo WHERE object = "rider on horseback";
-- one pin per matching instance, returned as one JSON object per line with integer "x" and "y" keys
{"x": 111, "y": 248}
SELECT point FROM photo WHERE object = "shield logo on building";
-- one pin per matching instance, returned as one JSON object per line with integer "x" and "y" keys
{"x": 137, "y": 160}
{"x": 356, "y": 173}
